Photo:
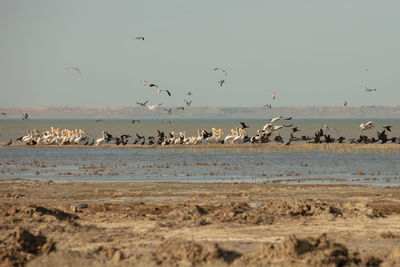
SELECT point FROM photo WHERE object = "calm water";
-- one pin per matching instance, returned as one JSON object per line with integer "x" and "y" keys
{"x": 258, "y": 164}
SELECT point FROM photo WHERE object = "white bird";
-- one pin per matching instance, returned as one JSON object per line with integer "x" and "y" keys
{"x": 366, "y": 126}
{"x": 163, "y": 90}
{"x": 276, "y": 119}
{"x": 327, "y": 128}
{"x": 75, "y": 68}
{"x": 144, "y": 83}
{"x": 221, "y": 70}
{"x": 153, "y": 107}
{"x": 101, "y": 139}
{"x": 273, "y": 95}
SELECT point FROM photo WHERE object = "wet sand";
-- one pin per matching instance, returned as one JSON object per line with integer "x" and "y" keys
{"x": 197, "y": 224}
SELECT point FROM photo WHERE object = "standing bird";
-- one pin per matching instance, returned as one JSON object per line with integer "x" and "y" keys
{"x": 25, "y": 116}
{"x": 75, "y": 68}
{"x": 139, "y": 38}
{"x": 188, "y": 103}
{"x": 221, "y": 82}
{"x": 273, "y": 95}
{"x": 221, "y": 70}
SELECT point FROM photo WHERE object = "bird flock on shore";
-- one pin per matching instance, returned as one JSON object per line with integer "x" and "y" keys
{"x": 239, "y": 135}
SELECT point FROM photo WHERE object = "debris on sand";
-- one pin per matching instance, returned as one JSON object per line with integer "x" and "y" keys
{"x": 20, "y": 246}
{"x": 293, "y": 251}
{"x": 179, "y": 252}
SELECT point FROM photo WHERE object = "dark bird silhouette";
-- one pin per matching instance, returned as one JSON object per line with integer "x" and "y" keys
{"x": 139, "y": 137}
{"x": 98, "y": 120}
{"x": 9, "y": 143}
{"x": 19, "y": 138}
{"x": 244, "y": 126}
{"x": 295, "y": 129}
{"x": 221, "y": 82}
{"x": 109, "y": 137}
{"x": 142, "y": 104}
{"x": 188, "y": 103}
{"x": 369, "y": 89}
{"x": 345, "y": 103}
{"x": 3, "y": 113}
{"x": 133, "y": 121}
{"x": 139, "y": 38}
{"x": 153, "y": 85}
{"x": 25, "y": 116}
{"x": 389, "y": 128}
{"x": 91, "y": 144}
{"x": 180, "y": 108}
{"x": 221, "y": 70}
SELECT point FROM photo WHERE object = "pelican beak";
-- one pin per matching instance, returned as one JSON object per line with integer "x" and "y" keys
{"x": 83, "y": 132}
{"x": 235, "y": 132}
{"x": 243, "y": 131}
{"x": 221, "y": 132}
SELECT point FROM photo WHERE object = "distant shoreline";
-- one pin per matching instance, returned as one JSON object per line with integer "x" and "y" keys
{"x": 113, "y": 112}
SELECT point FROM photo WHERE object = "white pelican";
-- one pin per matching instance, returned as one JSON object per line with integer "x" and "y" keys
{"x": 229, "y": 138}
{"x": 366, "y": 126}
{"x": 153, "y": 107}
{"x": 276, "y": 119}
{"x": 239, "y": 138}
{"x": 101, "y": 139}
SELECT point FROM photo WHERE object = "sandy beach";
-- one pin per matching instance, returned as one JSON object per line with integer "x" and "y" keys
{"x": 197, "y": 224}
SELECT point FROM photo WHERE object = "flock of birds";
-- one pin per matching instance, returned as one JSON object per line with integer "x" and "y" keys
{"x": 269, "y": 133}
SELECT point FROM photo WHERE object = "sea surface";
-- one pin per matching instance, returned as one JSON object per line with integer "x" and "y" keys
{"x": 186, "y": 164}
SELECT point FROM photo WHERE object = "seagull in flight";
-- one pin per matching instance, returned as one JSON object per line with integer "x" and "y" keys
{"x": 189, "y": 93}
{"x": 153, "y": 107}
{"x": 75, "y": 68}
{"x": 327, "y": 128}
{"x": 268, "y": 105}
{"x": 180, "y": 108}
{"x": 169, "y": 110}
{"x": 144, "y": 83}
{"x": 3, "y": 113}
{"x": 139, "y": 38}
{"x": 163, "y": 90}
{"x": 366, "y": 126}
{"x": 142, "y": 104}
{"x": 188, "y": 103}
{"x": 153, "y": 85}
{"x": 273, "y": 95}
{"x": 345, "y": 103}
{"x": 221, "y": 82}
{"x": 25, "y": 116}
{"x": 369, "y": 89}
{"x": 221, "y": 70}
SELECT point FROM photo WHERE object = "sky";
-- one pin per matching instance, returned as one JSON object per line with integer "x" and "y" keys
{"x": 311, "y": 52}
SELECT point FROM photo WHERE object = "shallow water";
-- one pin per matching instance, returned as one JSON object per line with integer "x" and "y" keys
{"x": 372, "y": 167}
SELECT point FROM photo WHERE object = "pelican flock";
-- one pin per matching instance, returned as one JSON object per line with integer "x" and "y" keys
{"x": 270, "y": 132}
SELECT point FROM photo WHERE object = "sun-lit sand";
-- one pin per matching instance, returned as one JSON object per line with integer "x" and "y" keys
{"x": 197, "y": 224}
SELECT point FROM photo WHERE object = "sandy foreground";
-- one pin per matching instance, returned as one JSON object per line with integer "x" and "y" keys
{"x": 197, "y": 224}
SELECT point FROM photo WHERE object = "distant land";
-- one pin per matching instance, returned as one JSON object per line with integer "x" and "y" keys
{"x": 105, "y": 112}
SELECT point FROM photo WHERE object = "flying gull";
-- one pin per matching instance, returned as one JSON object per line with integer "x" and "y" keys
{"x": 75, "y": 68}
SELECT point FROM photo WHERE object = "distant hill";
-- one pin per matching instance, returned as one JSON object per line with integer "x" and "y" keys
{"x": 102, "y": 112}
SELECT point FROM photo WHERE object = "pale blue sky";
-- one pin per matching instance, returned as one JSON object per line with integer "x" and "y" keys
{"x": 312, "y": 53}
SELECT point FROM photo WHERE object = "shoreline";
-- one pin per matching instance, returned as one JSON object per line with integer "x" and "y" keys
{"x": 206, "y": 224}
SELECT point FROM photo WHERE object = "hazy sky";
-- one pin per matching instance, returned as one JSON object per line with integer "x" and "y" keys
{"x": 312, "y": 53}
